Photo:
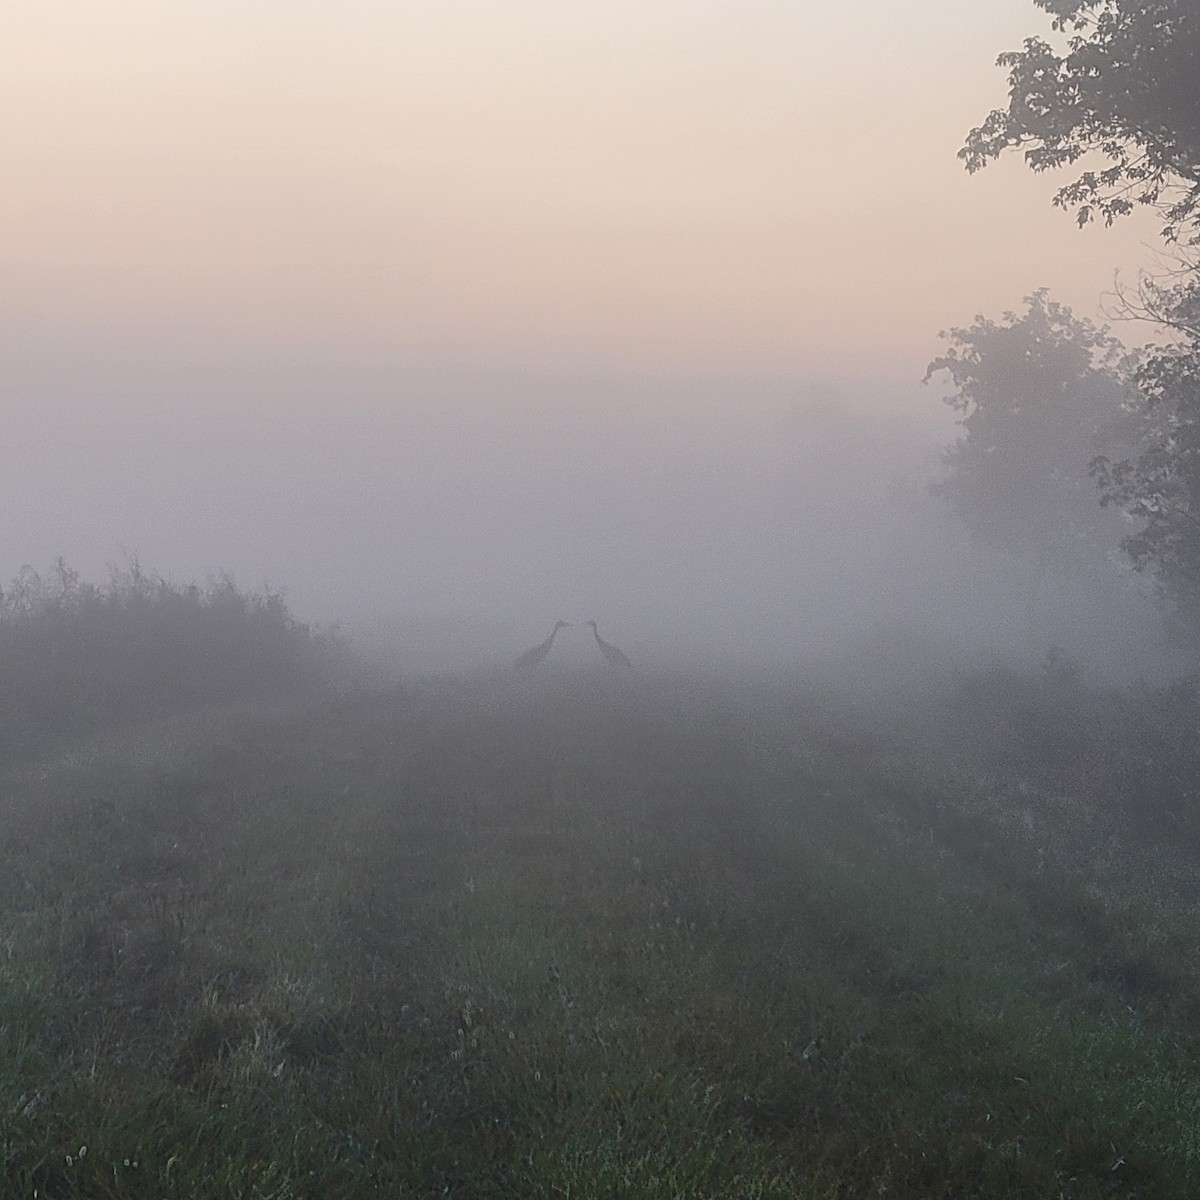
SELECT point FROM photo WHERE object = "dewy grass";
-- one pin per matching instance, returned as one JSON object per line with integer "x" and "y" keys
{"x": 659, "y": 941}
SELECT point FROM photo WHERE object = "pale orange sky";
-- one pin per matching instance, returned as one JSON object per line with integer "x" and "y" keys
{"x": 489, "y": 312}
{"x": 763, "y": 185}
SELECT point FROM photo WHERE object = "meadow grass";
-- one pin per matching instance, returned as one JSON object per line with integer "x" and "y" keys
{"x": 574, "y": 936}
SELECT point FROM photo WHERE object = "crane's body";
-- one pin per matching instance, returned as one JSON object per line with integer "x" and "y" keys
{"x": 612, "y": 655}
{"x": 537, "y": 654}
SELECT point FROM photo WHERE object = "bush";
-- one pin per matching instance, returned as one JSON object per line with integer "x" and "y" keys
{"x": 1132, "y": 751}
{"x": 75, "y": 657}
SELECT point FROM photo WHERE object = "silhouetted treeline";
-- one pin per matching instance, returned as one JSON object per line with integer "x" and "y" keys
{"x": 1121, "y": 88}
{"x": 76, "y": 656}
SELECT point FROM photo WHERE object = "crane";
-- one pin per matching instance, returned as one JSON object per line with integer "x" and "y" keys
{"x": 533, "y": 656}
{"x": 611, "y": 654}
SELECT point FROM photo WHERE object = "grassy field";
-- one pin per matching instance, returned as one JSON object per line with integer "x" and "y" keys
{"x": 582, "y": 937}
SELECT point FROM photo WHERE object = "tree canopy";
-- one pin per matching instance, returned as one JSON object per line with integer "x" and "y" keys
{"x": 1120, "y": 87}
{"x": 1159, "y": 484}
{"x": 1126, "y": 87}
{"x": 1040, "y": 395}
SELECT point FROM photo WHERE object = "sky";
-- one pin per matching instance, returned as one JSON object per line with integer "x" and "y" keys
{"x": 417, "y": 310}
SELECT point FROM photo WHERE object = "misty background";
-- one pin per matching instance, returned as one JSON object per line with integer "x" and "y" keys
{"x": 451, "y": 325}
{"x": 447, "y": 516}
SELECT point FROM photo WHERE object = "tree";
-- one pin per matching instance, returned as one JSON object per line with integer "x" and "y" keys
{"x": 1127, "y": 88}
{"x": 1159, "y": 484}
{"x": 1040, "y": 396}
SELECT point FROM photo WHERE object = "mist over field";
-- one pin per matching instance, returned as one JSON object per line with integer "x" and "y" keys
{"x": 443, "y": 519}
{"x": 592, "y": 609}
{"x": 625, "y": 321}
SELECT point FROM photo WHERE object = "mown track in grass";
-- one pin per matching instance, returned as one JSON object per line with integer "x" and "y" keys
{"x": 581, "y": 937}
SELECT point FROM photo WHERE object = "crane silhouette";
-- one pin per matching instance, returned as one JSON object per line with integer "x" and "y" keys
{"x": 611, "y": 654}
{"x": 533, "y": 656}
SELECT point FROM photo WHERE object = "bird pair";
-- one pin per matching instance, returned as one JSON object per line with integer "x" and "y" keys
{"x": 537, "y": 654}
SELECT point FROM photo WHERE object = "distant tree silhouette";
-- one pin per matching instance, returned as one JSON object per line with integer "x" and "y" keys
{"x": 1158, "y": 485}
{"x": 1127, "y": 87}
{"x": 1039, "y": 396}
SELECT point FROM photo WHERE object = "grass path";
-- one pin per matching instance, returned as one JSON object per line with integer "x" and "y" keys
{"x": 567, "y": 938}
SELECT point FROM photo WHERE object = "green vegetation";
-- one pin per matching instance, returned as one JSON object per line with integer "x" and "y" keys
{"x": 574, "y": 936}
{"x": 1122, "y": 89}
{"x": 1039, "y": 397}
{"x": 77, "y": 658}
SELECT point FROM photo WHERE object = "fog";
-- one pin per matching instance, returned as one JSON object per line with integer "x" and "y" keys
{"x": 450, "y": 327}
{"x": 445, "y": 515}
